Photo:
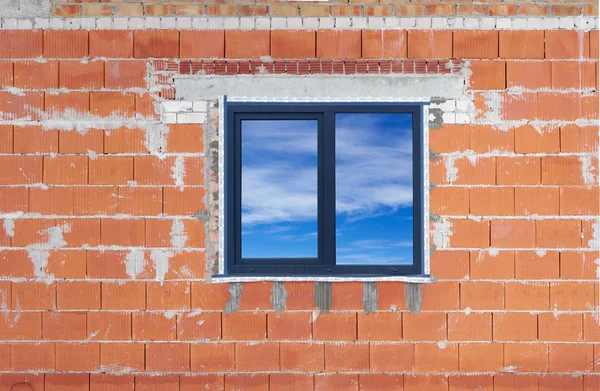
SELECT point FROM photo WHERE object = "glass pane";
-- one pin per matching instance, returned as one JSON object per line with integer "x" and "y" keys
{"x": 373, "y": 182}
{"x": 279, "y": 188}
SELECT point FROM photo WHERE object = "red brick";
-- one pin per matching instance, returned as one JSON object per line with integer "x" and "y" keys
{"x": 209, "y": 296}
{"x": 6, "y": 139}
{"x": 34, "y": 139}
{"x": 293, "y": 44}
{"x": 536, "y": 201}
{"x": 560, "y": 327}
{"x": 571, "y": 358}
{"x": 451, "y": 201}
{"x": 573, "y": 74}
{"x": 94, "y": 200}
{"x": 482, "y": 295}
{"x": 302, "y": 357}
{"x": 21, "y": 43}
{"x": 122, "y": 232}
{"x": 31, "y": 231}
{"x": 150, "y": 170}
{"x": 530, "y": 296}
{"x": 69, "y": 103}
{"x": 185, "y": 138}
{"x": 153, "y": 326}
{"x": 156, "y": 44}
{"x": 167, "y": 357}
{"x": 473, "y": 382}
{"x": 193, "y": 382}
{"x": 81, "y": 75}
{"x": 487, "y": 75}
{"x": 425, "y": 326}
{"x": 109, "y": 326}
{"x": 244, "y": 326}
{"x": 125, "y": 140}
{"x": 36, "y": 75}
{"x": 471, "y": 327}
{"x": 579, "y": 200}
{"x": 490, "y": 201}
{"x": 32, "y": 357}
{"x": 158, "y": 234}
{"x": 480, "y": 173}
{"x": 572, "y": 296}
{"x": 25, "y": 105}
{"x": 68, "y": 264}
{"x": 347, "y": 296}
{"x": 80, "y": 357}
{"x": 202, "y": 44}
{"x": 188, "y": 202}
{"x": 247, "y": 43}
{"x": 300, "y": 296}
{"x": 513, "y": 233}
{"x": 213, "y": 357}
{"x": 6, "y": 73}
{"x": 384, "y": 44}
{"x": 140, "y": 200}
{"x": 29, "y": 295}
{"x": 429, "y": 44}
{"x": 108, "y": 103}
{"x": 422, "y": 381}
{"x": 66, "y": 170}
{"x": 469, "y": 233}
{"x": 558, "y": 233}
{"x": 440, "y": 296}
{"x": 555, "y": 106}
{"x": 518, "y": 106}
{"x": 338, "y": 44}
{"x": 193, "y": 327}
{"x": 64, "y": 325}
{"x": 535, "y": 265}
{"x": 521, "y": 44}
{"x": 65, "y": 43}
{"x": 397, "y": 357}
{"x": 168, "y": 295}
{"x": 530, "y": 140}
{"x": 335, "y": 326}
{"x": 380, "y": 326}
{"x": 526, "y": 357}
{"x": 78, "y": 295}
{"x": 259, "y": 357}
{"x": 506, "y": 382}
{"x": 475, "y": 44}
{"x": 103, "y": 381}
{"x": 481, "y": 357}
{"x": 80, "y": 143}
{"x": 567, "y": 44}
{"x": 530, "y": 75}
{"x": 435, "y": 358}
{"x": 251, "y": 382}
{"x": 151, "y": 382}
{"x": 577, "y": 265}
{"x": 574, "y": 138}
{"x": 13, "y": 199}
{"x": 127, "y": 296}
{"x": 347, "y": 357}
{"x": 126, "y": 74}
{"x": 51, "y": 200}
{"x": 495, "y": 265}
{"x": 115, "y": 357}
{"x": 291, "y": 381}
{"x": 111, "y": 43}
{"x": 451, "y": 265}
{"x": 289, "y": 326}
{"x": 450, "y": 138}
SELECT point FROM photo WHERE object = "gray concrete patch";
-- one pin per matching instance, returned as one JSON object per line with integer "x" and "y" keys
{"x": 235, "y": 294}
{"x": 198, "y": 87}
{"x": 370, "y": 297}
{"x": 278, "y": 296}
{"x": 323, "y": 296}
{"x": 412, "y": 292}
{"x": 25, "y": 8}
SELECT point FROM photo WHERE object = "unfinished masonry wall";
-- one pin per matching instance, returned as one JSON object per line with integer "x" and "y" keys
{"x": 109, "y": 208}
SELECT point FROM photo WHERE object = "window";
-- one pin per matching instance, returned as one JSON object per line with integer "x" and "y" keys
{"x": 323, "y": 189}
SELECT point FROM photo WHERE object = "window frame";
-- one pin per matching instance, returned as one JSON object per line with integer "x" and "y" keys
{"x": 324, "y": 265}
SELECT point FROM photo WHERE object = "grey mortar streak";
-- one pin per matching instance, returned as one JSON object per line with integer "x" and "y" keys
{"x": 370, "y": 297}
{"x": 25, "y": 8}
{"x": 323, "y": 296}
{"x": 412, "y": 292}
{"x": 195, "y": 88}
{"x": 235, "y": 294}
{"x": 278, "y": 296}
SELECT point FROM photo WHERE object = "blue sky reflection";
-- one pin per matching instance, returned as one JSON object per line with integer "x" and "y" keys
{"x": 374, "y": 189}
{"x": 279, "y": 188}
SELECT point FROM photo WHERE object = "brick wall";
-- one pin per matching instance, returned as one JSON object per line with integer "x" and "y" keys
{"x": 105, "y": 241}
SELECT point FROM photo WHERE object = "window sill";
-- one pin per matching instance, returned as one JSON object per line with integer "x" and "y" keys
{"x": 421, "y": 279}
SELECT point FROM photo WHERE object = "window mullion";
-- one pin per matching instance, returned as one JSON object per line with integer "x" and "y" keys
{"x": 328, "y": 193}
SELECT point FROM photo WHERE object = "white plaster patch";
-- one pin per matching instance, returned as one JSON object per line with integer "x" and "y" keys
{"x": 451, "y": 170}
{"x": 587, "y": 170}
{"x": 9, "y": 227}
{"x": 442, "y": 231}
{"x": 135, "y": 263}
{"x": 38, "y": 253}
{"x": 594, "y": 242}
{"x": 160, "y": 260}
{"x": 178, "y": 172}
{"x": 178, "y": 235}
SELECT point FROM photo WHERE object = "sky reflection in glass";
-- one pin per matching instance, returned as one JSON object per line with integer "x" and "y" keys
{"x": 279, "y": 188}
{"x": 374, "y": 205}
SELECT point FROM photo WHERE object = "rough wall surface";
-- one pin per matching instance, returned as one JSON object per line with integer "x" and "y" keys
{"x": 109, "y": 205}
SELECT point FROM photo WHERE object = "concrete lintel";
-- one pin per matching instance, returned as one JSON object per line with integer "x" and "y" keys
{"x": 198, "y": 87}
